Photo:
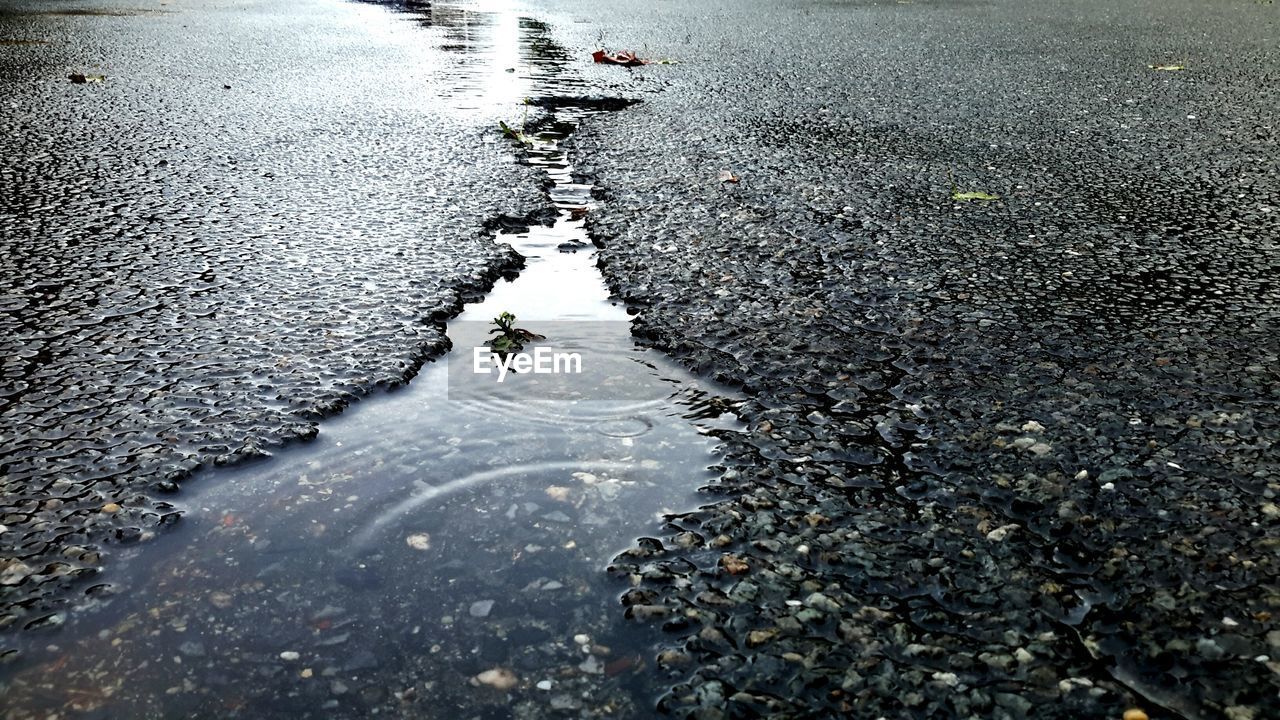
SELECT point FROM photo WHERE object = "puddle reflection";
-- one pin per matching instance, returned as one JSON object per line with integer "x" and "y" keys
{"x": 439, "y": 549}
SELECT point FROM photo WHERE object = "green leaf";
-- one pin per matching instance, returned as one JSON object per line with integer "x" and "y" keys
{"x": 514, "y": 134}
{"x": 504, "y": 344}
{"x": 510, "y": 339}
{"x": 973, "y": 195}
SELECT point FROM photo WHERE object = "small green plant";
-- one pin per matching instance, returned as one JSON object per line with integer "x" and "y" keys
{"x": 968, "y": 195}
{"x": 520, "y": 135}
{"x": 510, "y": 339}
{"x": 517, "y": 135}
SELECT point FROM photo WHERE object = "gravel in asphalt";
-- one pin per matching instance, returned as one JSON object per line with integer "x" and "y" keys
{"x": 1005, "y": 457}
{"x": 253, "y": 219}
{"x": 1008, "y": 458}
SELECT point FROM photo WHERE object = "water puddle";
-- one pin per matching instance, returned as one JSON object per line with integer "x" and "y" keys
{"x": 436, "y": 550}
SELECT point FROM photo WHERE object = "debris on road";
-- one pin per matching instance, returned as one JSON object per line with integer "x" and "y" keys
{"x": 626, "y": 58}
{"x": 969, "y": 195}
{"x": 517, "y": 135}
{"x": 972, "y": 195}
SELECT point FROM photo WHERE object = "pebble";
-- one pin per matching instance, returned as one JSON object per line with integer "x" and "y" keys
{"x": 1001, "y": 533}
{"x": 15, "y": 573}
{"x": 1209, "y": 649}
{"x": 1073, "y": 683}
{"x": 481, "y": 608}
{"x": 947, "y": 678}
{"x": 734, "y": 565}
{"x": 419, "y": 541}
{"x": 582, "y": 639}
{"x": 498, "y": 678}
{"x": 1134, "y": 714}
{"x": 544, "y": 684}
{"x": 818, "y": 601}
{"x": 672, "y": 658}
{"x": 289, "y": 656}
{"x": 688, "y": 540}
{"x": 712, "y": 635}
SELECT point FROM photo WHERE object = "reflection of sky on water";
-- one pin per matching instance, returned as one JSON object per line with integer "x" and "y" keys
{"x": 482, "y": 41}
{"x": 360, "y": 558}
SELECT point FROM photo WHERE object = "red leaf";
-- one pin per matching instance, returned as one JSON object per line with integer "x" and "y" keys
{"x": 626, "y": 58}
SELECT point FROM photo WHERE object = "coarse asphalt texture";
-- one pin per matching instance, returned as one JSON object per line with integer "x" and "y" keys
{"x": 257, "y": 214}
{"x": 1011, "y": 457}
{"x": 1007, "y": 458}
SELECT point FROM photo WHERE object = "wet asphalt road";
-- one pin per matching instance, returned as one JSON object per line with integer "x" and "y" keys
{"x": 249, "y": 223}
{"x": 1011, "y": 457}
{"x": 1007, "y": 458}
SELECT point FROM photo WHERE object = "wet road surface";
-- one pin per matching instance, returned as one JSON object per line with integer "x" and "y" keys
{"x": 252, "y": 221}
{"x": 431, "y": 546}
{"x": 1002, "y": 457}
{"x": 1008, "y": 457}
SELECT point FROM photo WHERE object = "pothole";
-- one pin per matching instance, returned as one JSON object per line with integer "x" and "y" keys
{"x": 440, "y": 546}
